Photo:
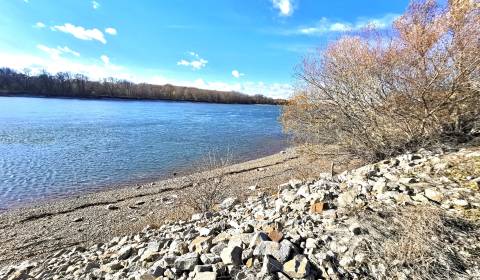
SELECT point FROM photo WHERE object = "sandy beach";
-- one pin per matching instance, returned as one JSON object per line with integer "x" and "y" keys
{"x": 39, "y": 230}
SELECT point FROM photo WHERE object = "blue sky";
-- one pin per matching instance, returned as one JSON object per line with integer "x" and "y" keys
{"x": 250, "y": 46}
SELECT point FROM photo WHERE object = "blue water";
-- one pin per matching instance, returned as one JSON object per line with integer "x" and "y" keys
{"x": 52, "y": 148}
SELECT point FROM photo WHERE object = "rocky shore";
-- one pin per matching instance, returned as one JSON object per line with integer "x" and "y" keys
{"x": 411, "y": 217}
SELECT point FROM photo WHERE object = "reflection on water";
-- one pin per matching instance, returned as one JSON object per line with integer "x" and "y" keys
{"x": 53, "y": 148}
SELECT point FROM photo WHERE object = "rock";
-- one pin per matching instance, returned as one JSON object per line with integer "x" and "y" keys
{"x": 111, "y": 207}
{"x": 310, "y": 243}
{"x": 124, "y": 253}
{"x": 252, "y": 188}
{"x": 294, "y": 183}
{"x": 275, "y": 235}
{"x": 203, "y": 268}
{"x": 266, "y": 248}
{"x": 346, "y": 262}
{"x": 201, "y": 244}
{"x": 286, "y": 248}
{"x": 346, "y": 199}
{"x": 229, "y": 203}
{"x": 197, "y": 216}
{"x": 257, "y": 239}
{"x": 433, "y": 194}
{"x": 379, "y": 187}
{"x": 232, "y": 255}
{"x": 187, "y": 262}
{"x": 210, "y": 275}
{"x": 460, "y": 203}
{"x": 270, "y": 265}
{"x": 203, "y": 231}
{"x": 111, "y": 267}
{"x": 78, "y": 219}
{"x": 210, "y": 258}
{"x": 355, "y": 229}
{"x": 156, "y": 270}
{"x": 298, "y": 267}
{"x": 317, "y": 207}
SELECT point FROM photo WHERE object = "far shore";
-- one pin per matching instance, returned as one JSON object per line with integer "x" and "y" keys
{"x": 109, "y": 98}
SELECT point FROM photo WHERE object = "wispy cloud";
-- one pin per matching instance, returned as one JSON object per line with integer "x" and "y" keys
{"x": 237, "y": 74}
{"x": 81, "y": 33}
{"x": 95, "y": 5}
{"x": 196, "y": 62}
{"x": 326, "y": 25}
{"x": 105, "y": 59}
{"x": 55, "y": 53}
{"x": 285, "y": 7}
{"x": 39, "y": 25}
{"x": 111, "y": 31}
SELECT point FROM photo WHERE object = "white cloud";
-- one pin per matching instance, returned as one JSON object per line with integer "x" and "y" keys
{"x": 95, "y": 5}
{"x": 237, "y": 74}
{"x": 55, "y": 53}
{"x": 40, "y": 25}
{"x": 285, "y": 7}
{"x": 111, "y": 31}
{"x": 81, "y": 33}
{"x": 325, "y": 25}
{"x": 105, "y": 59}
{"x": 196, "y": 63}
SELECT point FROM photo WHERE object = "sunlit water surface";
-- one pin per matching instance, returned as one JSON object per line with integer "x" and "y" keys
{"x": 52, "y": 148}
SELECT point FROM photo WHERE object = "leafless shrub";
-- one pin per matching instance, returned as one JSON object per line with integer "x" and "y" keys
{"x": 418, "y": 241}
{"x": 208, "y": 190}
{"x": 378, "y": 94}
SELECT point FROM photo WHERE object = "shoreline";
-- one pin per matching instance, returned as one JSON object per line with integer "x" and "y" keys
{"x": 180, "y": 172}
{"x": 39, "y": 230}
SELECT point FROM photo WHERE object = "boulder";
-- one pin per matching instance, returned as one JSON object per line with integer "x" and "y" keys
{"x": 298, "y": 267}
{"x": 187, "y": 262}
{"x": 232, "y": 255}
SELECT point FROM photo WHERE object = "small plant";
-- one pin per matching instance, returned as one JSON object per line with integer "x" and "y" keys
{"x": 208, "y": 189}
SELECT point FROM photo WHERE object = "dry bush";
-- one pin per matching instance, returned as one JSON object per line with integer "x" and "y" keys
{"x": 381, "y": 93}
{"x": 419, "y": 240}
{"x": 207, "y": 191}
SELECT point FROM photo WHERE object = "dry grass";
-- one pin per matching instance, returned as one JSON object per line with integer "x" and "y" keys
{"x": 208, "y": 191}
{"x": 462, "y": 170}
{"x": 418, "y": 241}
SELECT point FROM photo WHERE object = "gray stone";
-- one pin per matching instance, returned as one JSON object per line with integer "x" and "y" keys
{"x": 229, "y": 203}
{"x": 270, "y": 265}
{"x": 187, "y": 262}
{"x": 346, "y": 261}
{"x": 434, "y": 194}
{"x": 210, "y": 258}
{"x": 346, "y": 199}
{"x": 125, "y": 253}
{"x": 298, "y": 267}
{"x": 232, "y": 255}
{"x": 210, "y": 275}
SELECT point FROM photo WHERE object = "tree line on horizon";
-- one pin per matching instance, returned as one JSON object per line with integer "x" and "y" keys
{"x": 64, "y": 84}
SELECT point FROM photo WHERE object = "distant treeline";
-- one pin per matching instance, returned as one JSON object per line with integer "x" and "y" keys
{"x": 65, "y": 84}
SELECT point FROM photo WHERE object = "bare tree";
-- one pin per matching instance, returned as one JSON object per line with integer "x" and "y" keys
{"x": 377, "y": 94}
